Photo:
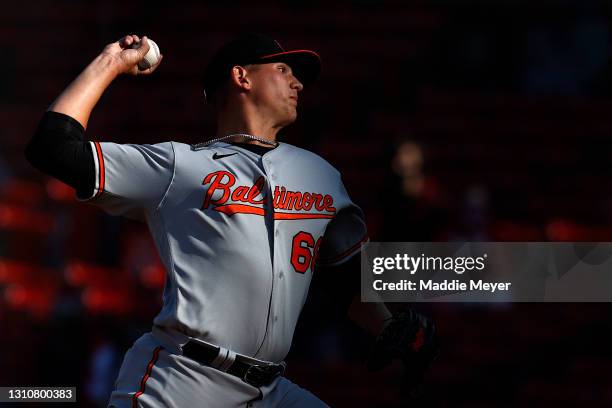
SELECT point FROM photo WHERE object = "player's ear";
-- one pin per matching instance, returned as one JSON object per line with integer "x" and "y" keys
{"x": 240, "y": 78}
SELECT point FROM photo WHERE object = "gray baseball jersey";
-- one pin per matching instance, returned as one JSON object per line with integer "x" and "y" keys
{"x": 239, "y": 233}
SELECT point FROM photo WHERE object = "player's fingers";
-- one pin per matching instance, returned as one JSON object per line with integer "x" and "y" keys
{"x": 126, "y": 41}
{"x": 143, "y": 46}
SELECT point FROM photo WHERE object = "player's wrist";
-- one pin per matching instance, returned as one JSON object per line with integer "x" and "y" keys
{"x": 105, "y": 66}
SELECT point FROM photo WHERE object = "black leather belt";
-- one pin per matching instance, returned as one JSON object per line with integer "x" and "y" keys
{"x": 257, "y": 375}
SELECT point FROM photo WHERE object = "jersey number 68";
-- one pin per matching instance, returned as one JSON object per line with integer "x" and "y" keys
{"x": 304, "y": 251}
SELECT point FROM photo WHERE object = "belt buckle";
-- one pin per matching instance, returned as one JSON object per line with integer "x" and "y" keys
{"x": 258, "y": 375}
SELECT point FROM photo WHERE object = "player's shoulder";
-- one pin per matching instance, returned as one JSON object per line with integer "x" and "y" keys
{"x": 163, "y": 151}
{"x": 296, "y": 154}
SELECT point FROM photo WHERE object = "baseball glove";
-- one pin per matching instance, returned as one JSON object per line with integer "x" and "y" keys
{"x": 410, "y": 337}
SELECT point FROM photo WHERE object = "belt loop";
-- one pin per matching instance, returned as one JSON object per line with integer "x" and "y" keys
{"x": 223, "y": 352}
{"x": 231, "y": 357}
{"x": 224, "y": 359}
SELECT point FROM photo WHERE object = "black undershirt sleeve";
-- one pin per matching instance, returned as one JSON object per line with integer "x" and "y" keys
{"x": 58, "y": 149}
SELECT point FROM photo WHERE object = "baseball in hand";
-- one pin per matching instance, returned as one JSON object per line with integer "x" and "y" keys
{"x": 152, "y": 55}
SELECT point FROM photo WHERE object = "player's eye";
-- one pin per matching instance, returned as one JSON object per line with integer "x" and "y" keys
{"x": 282, "y": 68}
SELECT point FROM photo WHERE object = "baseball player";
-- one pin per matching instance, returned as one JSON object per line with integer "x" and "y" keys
{"x": 239, "y": 221}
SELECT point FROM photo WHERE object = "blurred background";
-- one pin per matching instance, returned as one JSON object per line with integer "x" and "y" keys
{"x": 450, "y": 120}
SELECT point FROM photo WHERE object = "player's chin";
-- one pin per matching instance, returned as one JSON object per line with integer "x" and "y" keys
{"x": 290, "y": 117}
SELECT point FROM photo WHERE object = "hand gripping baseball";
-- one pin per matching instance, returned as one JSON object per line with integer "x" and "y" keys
{"x": 410, "y": 337}
{"x": 126, "y": 59}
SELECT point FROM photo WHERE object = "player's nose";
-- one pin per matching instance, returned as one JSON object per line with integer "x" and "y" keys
{"x": 296, "y": 84}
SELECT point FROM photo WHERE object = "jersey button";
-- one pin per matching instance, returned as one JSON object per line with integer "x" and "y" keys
{"x": 280, "y": 275}
{"x": 276, "y": 233}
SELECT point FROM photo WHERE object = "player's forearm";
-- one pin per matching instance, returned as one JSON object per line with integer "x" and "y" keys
{"x": 82, "y": 95}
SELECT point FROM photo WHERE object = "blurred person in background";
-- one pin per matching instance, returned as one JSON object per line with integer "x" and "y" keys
{"x": 414, "y": 203}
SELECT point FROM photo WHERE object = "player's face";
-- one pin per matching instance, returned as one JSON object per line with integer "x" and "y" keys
{"x": 275, "y": 90}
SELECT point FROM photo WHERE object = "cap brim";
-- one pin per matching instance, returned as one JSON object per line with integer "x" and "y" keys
{"x": 305, "y": 64}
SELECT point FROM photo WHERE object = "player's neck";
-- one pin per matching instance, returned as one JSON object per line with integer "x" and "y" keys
{"x": 229, "y": 123}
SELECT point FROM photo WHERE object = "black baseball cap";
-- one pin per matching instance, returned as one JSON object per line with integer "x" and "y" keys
{"x": 255, "y": 48}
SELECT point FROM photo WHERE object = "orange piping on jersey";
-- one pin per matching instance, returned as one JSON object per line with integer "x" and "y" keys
{"x": 298, "y": 216}
{"x": 100, "y": 169}
{"x": 146, "y": 377}
{"x": 345, "y": 253}
{"x": 232, "y": 209}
